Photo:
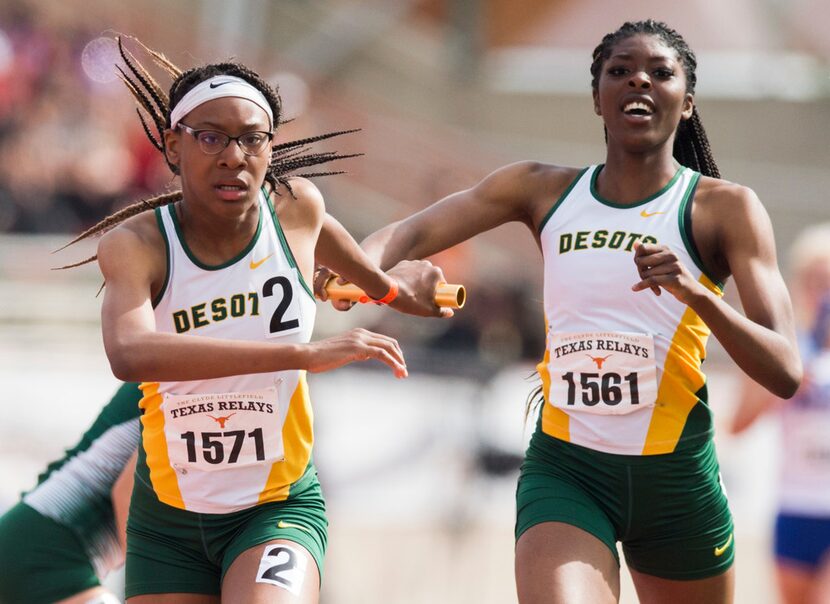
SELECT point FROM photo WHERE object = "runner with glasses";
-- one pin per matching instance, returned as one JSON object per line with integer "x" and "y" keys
{"x": 207, "y": 303}
{"x": 212, "y": 142}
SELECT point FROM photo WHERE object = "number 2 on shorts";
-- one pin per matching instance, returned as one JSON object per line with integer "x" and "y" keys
{"x": 283, "y": 566}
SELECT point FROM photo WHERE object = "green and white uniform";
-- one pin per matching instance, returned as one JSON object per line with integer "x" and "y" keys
{"x": 622, "y": 369}
{"x": 621, "y": 375}
{"x": 61, "y": 538}
{"x": 260, "y": 296}
{"x": 217, "y": 452}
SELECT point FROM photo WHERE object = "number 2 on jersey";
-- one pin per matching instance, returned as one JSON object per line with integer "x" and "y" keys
{"x": 281, "y": 306}
{"x": 277, "y": 322}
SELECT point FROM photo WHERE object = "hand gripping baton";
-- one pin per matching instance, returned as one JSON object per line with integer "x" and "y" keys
{"x": 448, "y": 295}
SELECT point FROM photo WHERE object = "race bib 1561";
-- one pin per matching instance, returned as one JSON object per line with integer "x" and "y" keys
{"x": 608, "y": 373}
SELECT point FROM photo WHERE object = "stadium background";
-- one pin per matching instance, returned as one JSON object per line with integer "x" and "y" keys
{"x": 419, "y": 474}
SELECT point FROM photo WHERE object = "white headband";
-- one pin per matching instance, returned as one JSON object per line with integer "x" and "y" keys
{"x": 218, "y": 87}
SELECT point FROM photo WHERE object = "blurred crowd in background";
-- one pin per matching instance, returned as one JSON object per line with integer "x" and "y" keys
{"x": 69, "y": 154}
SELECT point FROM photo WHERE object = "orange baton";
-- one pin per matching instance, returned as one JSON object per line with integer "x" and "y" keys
{"x": 447, "y": 295}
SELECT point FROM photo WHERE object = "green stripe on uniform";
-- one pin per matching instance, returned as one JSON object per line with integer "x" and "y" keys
{"x": 285, "y": 247}
{"x": 168, "y": 257}
{"x": 684, "y": 221}
{"x": 561, "y": 199}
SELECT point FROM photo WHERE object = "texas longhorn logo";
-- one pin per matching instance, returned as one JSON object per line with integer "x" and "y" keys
{"x": 221, "y": 419}
{"x": 598, "y": 360}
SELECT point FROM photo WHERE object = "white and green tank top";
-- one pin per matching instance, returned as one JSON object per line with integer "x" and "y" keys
{"x": 622, "y": 369}
{"x": 225, "y": 444}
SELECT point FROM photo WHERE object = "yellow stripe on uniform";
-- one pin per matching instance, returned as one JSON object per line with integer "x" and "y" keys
{"x": 162, "y": 476}
{"x": 682, "y": 378}
{"x": 298, "y": 437}
{"x": 555, "y": 421}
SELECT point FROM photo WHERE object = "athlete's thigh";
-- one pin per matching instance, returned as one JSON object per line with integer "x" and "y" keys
{"x": 794, "y": 582}
{"x": 821, "y": 584}
{"x": 277, "y": 572}
{"x": 719, "y": 589}
{"x": 559, "y": 563}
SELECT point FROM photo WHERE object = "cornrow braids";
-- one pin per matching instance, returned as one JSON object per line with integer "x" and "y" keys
{"x": 154, "y": 107}
{"x": 691, "y": 144}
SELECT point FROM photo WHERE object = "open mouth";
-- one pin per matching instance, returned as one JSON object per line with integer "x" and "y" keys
{"x": 638, "y": 108}
{"x": 231, "y": 191}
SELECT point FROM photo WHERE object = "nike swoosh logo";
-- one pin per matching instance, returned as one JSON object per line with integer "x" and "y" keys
{"x": 218, "y": 84}
{"x": 720, "y": 550}
{"x": 258, "y": 263}
{"x": 287, "y": 525}
{"x": 645, "y": 214}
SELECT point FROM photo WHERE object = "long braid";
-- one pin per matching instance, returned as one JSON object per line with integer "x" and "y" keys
{"x": 151, "y": 98}
{"x": 160, "y": 60}
{"x": 154, "y": 107}
{"x": 691, "y": 145}
{"x": 535, "y": 397}
{"x": 153, "y": 89}
{"x": 148, "y": 94}
{"x": 121, "y": 215}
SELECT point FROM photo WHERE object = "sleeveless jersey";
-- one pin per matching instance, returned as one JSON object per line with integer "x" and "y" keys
{"x": 622, "y": 369}
{"x": 76, "y": 491}
{"x": 804, "y": 486}
{"x": 226, "y": 444}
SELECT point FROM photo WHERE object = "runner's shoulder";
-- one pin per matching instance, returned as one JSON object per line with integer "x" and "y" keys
{"x": 541, "y": 172}
{"x": 729, "y": 202}
{"x": 537, "y": 181}
{"x": 303, "y": 205}
{"x": 137, "y": 236}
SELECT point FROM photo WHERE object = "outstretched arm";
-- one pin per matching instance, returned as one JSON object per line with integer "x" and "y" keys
{"x": 508, "y": 194}
{"x": 339, "y": 252}
{"x": 763, "y": 342}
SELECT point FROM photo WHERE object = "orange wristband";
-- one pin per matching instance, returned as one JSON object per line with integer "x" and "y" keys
{"x": 387, "y": 299}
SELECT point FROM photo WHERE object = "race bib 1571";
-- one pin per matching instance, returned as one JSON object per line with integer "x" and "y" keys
{"x": 218, "y": 431}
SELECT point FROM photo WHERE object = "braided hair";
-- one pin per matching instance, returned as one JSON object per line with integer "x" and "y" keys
{"x": 691, "y": 145}
{"x": 155, "y": 105}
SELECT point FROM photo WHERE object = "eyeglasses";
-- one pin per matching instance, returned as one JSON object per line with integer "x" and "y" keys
{"x": 212, "y": 142}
